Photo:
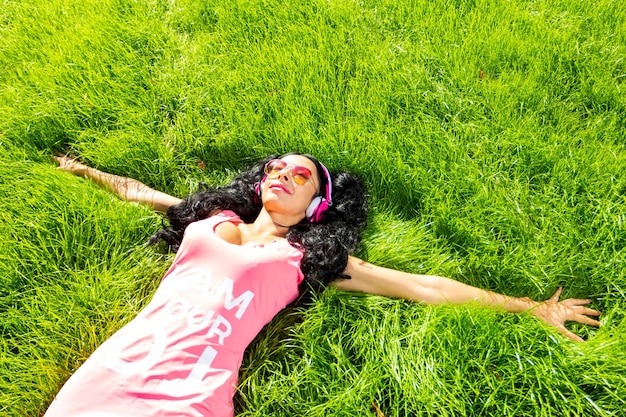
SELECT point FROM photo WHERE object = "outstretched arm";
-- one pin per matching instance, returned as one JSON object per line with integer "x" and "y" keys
{"x": 432, "y": 289}
{"x": 126, "y": 188}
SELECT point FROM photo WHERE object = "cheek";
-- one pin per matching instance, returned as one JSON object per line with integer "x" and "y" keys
{"x": 306, "y": 197}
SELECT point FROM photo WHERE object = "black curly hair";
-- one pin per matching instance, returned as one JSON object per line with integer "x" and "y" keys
{"x": 326, "y": 244}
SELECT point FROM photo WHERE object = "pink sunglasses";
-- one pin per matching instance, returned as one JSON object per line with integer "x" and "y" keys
{"x": 301, "y": 175}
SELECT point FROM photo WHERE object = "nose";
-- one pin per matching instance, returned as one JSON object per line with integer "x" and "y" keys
{"x": 284, "y": 173}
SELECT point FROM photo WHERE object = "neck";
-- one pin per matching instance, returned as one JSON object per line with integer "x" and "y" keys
{"x": 274, "y": 224}
{"x": 281, "y": 225}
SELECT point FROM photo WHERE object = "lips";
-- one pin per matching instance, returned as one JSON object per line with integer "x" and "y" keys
{"x": 280, "y": 187}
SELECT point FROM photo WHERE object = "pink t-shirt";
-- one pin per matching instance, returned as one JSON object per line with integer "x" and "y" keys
{"x": 180, "y": 356}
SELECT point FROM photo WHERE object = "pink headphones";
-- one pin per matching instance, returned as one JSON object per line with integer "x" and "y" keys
{"x": 320, "y": 203}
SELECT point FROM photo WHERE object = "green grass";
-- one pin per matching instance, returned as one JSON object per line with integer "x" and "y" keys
{"x": 490, "y": 135}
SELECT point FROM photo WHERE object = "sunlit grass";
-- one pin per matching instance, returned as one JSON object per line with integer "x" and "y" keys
{"x": 490, "y": 136}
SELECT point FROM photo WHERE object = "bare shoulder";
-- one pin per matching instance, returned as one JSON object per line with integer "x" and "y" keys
{"x": 229, "y": 232}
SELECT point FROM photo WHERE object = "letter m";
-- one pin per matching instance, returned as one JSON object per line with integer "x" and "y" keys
{"x": 226, "y": 291}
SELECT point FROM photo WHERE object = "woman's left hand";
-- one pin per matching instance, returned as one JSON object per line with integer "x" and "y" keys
{"x": 556, "y": 313}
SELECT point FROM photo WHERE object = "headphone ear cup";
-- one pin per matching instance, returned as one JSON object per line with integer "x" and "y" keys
{"x": 316, "y": 208}
{"x": 258, "y": 190}
{"x": 311, "y": 211}
{"x": 258, "y": 186}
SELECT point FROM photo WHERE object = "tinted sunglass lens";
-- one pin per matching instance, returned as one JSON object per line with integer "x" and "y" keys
{"x": 300, "y": 175}
{"x": 275, "y": 165}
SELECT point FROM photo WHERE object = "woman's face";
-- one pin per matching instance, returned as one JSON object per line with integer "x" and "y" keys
{"x": 283, "y": 194}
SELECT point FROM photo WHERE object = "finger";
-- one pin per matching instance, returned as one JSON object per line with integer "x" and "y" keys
{"x": 589, "y": 311}
{"x": 576, "y": 301}
{"x": 570, "y": 335}
{"x": 574, "y": 337}
{"x": 587, "y": 320}
{"x": 62, "y": 159}
{"x": 580, "y": 308}
{"x": 556, "y": 295}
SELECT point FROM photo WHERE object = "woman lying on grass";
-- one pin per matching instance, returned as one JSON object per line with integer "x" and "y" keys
{"x": 244, "y": 252}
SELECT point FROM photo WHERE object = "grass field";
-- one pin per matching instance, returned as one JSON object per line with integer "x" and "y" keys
{"x": 490, "y": 134}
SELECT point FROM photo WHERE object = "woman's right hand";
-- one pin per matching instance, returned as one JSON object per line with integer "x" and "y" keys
{"x": 70, "y": 165}
{"x": 125, "y": 188}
